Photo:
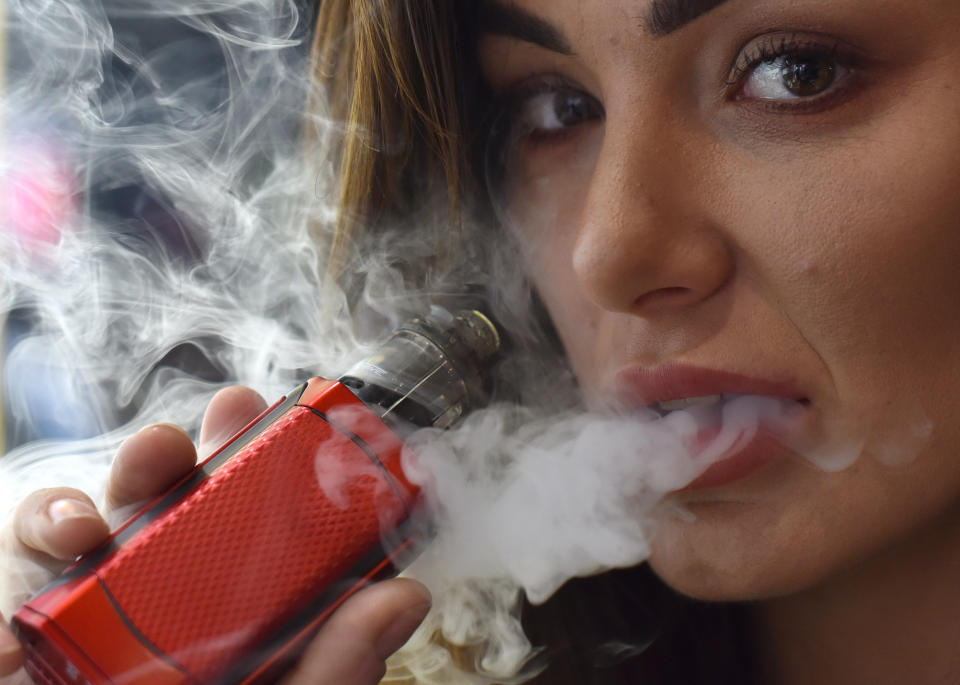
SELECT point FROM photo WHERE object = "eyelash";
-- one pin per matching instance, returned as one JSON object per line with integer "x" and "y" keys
{"x": 770, "y": 48}
{"x": 511, "y": 106}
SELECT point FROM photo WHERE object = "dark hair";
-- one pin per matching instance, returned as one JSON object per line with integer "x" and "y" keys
{"x": 393, "y": 74}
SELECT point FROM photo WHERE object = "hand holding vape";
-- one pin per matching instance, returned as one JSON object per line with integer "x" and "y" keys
{"x": 225, "y": 577}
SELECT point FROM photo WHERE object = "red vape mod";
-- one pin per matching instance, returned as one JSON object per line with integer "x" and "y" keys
{"x": 226, "y": 576}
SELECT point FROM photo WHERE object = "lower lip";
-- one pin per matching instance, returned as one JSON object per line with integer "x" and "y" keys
{"x": 759, "y": 452}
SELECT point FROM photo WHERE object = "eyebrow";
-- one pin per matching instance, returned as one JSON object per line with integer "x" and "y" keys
{"x": 664, "y": 17}
{"x": 667, "y": 16}
{"x": 504, "y": 19}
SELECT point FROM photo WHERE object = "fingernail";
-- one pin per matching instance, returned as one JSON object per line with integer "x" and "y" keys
{"x": 394, "y": 637}
{"x": 165, "y": 426}
{"x": 63, "y": 509}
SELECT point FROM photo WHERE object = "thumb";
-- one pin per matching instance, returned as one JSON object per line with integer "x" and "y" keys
{"x": 11, "y": 656}
{"x": 353, "y": 645}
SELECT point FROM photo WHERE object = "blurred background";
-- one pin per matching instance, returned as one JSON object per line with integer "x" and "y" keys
{"x": 45, "y": 188}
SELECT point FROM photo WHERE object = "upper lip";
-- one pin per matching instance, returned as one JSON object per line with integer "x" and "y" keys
{"x": 640, "y": 386}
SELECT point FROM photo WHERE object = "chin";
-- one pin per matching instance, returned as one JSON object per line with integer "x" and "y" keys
{"x": 724, "y": 564}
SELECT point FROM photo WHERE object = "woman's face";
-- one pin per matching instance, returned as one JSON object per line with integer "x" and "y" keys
{"x": 753, "y": 197}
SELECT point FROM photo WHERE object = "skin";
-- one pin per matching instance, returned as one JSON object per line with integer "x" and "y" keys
{"x": 53, "y": 526}
{"x": 698, "y": 220}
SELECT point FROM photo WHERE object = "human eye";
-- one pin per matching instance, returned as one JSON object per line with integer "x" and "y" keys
{"x": 544, "y": 130}
{"x": 793, "y": 73}
{"x": 549, "y": 111}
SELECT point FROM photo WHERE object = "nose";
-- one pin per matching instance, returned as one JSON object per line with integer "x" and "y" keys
{"x": 644, "y": 246}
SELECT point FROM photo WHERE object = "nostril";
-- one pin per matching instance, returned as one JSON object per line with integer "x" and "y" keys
{"x": 664, "y": 297}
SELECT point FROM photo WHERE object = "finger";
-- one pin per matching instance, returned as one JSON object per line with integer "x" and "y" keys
{"x": 11, "y": 656}
{"x": 148, "y": 463}
{"x": 62, "y": 523}
{"x": 230, "y": 410}
{"x": 354, "y": 644}
{"x": 49, "y": 529}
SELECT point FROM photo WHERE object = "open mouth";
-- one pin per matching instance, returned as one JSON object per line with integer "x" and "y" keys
{"x": 730, "y": 435}
{"x": 729, "y": 422}
{"x": 664, "y": 408}
{"x": 712, "y": 410}
{"x": 668, "y": 406}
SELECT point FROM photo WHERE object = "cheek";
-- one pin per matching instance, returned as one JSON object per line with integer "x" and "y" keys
{"x": 547, "y": 253}
{"x": 857, "y": 248}
{"x": 857, "y": 243}
{"x": 546, "y": 187}
{"x": 544, "y": 212}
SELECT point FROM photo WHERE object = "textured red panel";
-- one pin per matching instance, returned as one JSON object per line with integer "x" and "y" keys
{"x": 258, "y": 538}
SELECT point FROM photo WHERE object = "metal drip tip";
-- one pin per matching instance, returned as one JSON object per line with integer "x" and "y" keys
{"x": 431, "y": 371}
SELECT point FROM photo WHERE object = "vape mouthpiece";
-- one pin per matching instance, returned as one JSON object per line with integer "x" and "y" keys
{"x": 430, "y": 372}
